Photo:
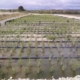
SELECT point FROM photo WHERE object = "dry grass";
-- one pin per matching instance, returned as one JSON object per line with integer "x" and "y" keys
{"x": 8, "y": 15}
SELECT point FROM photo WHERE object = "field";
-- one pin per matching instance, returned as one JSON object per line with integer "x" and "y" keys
{"x": 40, "y": 46}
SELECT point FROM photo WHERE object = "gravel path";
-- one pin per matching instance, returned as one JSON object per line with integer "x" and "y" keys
{"x": 3, "y": 21}
{"x": 68, "y": 16}
{"x": 62, "y": 78}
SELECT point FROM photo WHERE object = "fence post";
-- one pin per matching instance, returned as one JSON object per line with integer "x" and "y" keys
{"x": 39, "y": 23}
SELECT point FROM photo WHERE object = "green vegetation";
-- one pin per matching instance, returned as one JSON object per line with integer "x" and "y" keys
{"x": 2, "y": 73}
{"x": 41, "y": 18}
{"x": 39, "y": 45}
{"x": 51, "y": 37}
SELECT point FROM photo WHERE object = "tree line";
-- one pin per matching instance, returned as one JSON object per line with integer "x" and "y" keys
{"x": 53, "y": 11}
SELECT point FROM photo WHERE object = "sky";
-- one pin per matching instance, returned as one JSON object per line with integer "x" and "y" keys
{"x": 40, "y": 4}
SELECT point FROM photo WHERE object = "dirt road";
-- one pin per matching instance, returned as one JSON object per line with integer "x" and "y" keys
{"x": 16, "y": 17}
{"x": 68, "y": 16}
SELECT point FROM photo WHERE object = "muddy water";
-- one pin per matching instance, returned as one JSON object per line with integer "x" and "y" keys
{"x": 40, "y": 52}
{"x": 45, "y": 67}
{"x": 29, "y": 67}
{"x": 32, "y": 72}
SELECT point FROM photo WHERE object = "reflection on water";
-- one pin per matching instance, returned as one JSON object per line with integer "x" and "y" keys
{"x": 41, "y": 68}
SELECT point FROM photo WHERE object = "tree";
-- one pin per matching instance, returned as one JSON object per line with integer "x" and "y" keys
{"x": 20, "y": 8}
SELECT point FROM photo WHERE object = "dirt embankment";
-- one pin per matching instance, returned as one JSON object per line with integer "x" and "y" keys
{"x": 7, "y": 15}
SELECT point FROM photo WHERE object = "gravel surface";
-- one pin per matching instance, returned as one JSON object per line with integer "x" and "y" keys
{"x": 62, "y": 78}
{"x": 68, "y": 16}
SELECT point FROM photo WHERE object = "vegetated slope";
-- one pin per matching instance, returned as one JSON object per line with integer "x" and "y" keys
{"x": 8, "y": 15}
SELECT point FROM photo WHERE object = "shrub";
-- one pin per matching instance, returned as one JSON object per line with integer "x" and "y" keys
{"x": 51, "y": 37}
